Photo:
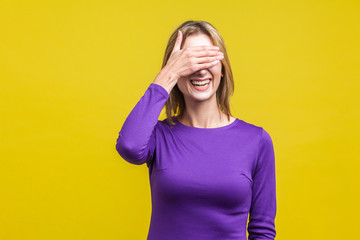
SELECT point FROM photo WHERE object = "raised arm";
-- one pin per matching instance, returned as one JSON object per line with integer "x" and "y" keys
{"x": 136, "y": 141}
{"x": 263, "y": 206}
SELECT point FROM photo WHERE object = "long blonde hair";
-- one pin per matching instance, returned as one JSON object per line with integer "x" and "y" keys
{"x": 176, "y": 103}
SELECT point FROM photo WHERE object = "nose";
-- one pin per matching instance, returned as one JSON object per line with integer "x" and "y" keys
{"x": 201, "y": 72}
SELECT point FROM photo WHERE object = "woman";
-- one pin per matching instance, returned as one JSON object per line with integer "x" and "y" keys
{"x": 208, "y": 170}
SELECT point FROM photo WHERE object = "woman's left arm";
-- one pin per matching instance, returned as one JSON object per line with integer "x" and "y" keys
{"x": 263, "y": 204}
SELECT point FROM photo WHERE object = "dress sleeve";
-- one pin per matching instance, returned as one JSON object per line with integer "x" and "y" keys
{"x": 136, "y": 140}
{"x": 263, "y": 204}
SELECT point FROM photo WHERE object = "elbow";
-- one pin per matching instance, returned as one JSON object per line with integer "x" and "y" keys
{"x": 262, "y": 236}
{"x": 129, "y": 152}
{"x": 261, "y": 227}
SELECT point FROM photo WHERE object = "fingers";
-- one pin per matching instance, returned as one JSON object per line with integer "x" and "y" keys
{"x": 205, "y": 65}
{"x": 178, "y": 42}
{"x": 207, "y": 53}
{"x": 203, "y": 48}
{"x": 207, "y": 59}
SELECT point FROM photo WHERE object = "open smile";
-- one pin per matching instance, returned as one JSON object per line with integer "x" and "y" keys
{"x": 200, "y": 84}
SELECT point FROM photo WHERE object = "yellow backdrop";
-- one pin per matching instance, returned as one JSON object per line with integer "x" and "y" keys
{"x": 71, "y": 72}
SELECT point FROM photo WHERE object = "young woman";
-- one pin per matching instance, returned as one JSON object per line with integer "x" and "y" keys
{"x": 209, "y": 172}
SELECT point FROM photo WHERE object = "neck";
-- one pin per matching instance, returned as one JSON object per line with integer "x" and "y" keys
{"x": 203, "y": 114}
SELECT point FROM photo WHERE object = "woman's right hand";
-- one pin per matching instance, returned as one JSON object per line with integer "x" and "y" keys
{"x": 183, "y": 62}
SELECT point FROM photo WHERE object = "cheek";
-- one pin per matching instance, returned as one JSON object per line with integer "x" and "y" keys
{"x": 181, "y": 83}
{"x": 215, "y": 70}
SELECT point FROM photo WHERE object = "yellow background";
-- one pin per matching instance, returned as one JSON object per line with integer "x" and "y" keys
{"x": 71, "y": 72}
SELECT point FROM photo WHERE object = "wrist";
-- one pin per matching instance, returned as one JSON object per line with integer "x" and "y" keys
{"x": 169, "y": 75}
{"x": 166, "y": 79}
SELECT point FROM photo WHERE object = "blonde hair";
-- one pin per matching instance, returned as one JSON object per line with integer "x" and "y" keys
{"x": 176, "y": 103}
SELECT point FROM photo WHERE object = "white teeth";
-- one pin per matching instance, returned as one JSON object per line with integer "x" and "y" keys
{"x": 200, "y": 83}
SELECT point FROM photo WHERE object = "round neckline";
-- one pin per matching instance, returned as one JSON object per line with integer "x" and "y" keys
{"x": 206, "y": 129}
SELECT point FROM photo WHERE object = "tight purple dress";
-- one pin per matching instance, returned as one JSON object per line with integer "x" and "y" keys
{"x": 206, "y": 183}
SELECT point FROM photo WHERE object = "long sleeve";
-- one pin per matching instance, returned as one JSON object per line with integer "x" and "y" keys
{"x": 136, "y": 140}
{"x": 263, "y": 204}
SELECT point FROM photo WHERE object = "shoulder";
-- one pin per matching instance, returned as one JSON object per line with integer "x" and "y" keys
{"x": 255, "y": 131}
{"x": 250, "y": 128}
{"x": 162, "y": 125}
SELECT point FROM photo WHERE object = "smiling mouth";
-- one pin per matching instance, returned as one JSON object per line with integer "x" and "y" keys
{"x": 200, "y": 82}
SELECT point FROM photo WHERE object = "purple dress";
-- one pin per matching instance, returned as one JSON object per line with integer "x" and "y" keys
{"x": 205, "y": 182}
